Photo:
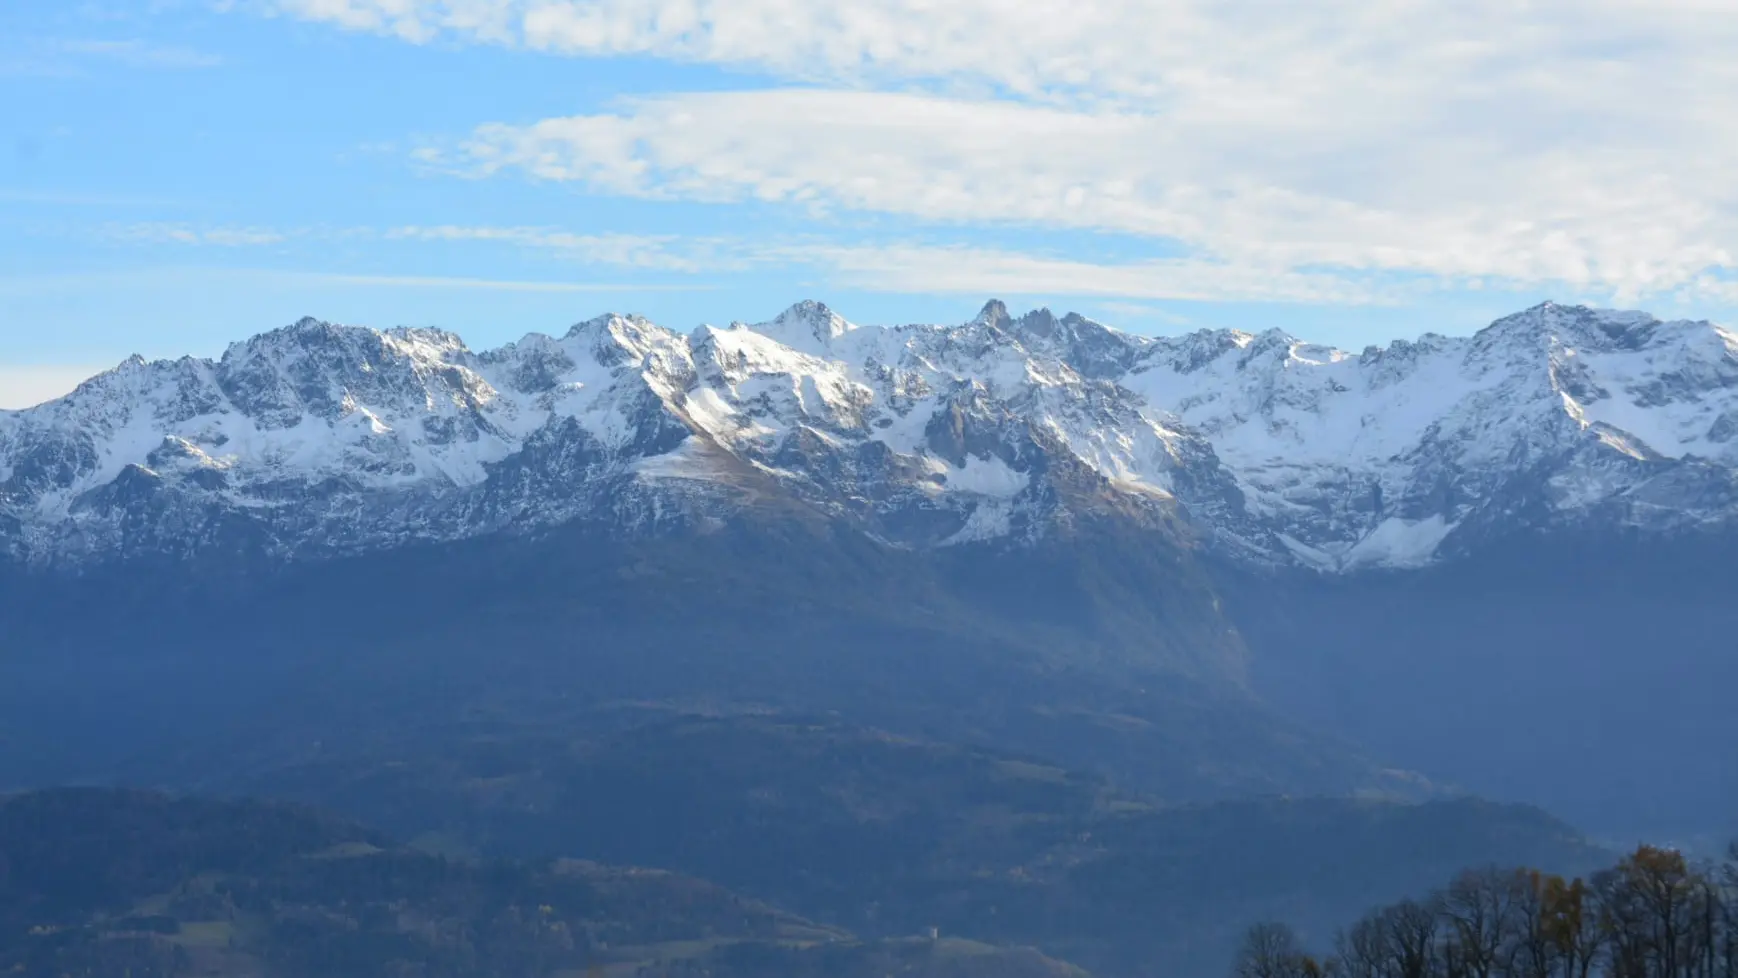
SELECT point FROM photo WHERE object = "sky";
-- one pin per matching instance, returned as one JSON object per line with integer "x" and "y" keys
{"x": 179, "y": 174}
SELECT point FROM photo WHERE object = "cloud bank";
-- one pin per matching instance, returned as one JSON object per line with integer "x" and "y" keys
{"x": 1586, "y": 143}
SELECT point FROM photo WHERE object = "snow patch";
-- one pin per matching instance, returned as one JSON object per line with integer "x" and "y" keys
{"x": 1397, "y": 543}
{"x": 990, "y": 520}
{"x": 990, "y": 477}
{"x": 689, "y": 460}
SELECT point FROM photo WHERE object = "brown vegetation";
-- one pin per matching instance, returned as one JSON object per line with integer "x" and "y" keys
{"x": 1656, "y": 914}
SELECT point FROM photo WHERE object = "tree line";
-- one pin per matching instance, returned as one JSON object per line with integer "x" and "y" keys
{"x": 1656, "y": 914}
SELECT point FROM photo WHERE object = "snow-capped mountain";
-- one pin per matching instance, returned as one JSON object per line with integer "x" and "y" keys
{"x": 322, "y": 439}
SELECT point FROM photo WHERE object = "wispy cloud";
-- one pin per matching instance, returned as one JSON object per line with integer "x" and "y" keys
{"x": 227, "y": 237}
{"x": 885, "y": 266}
{"x": 919, "y": 268}
{"x": 137, "y": 53}
{"x": 673, "y": 253}
{"x": 1715, "y": 288}
{"x": 1582, "y": 142}
{"x": 893, "y": 266}
{"x": 467, "y": 284}
{"x": 964, "y": 270}
{"x": 79, "y": 198}
{"x": 72, "y": 57}
{"x": 1553, "y": 213}
{"x": 157, "y": 276}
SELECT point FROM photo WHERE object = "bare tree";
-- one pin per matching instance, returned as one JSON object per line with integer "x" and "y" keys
{"x": 1411, "y": 939}
{"x": 1271, "y": 950}
{"x": 1479, "y": 908}
{"x": 1653, "y": 915}
{"x": 1534, "y": 948}
{"x": 1363, "y": 950}
{"x": 1574, "y": 919}
{"x": 1624, "y": 926}
{"x": 1667, "y": 889}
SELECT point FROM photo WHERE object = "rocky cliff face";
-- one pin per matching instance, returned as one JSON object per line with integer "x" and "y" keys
{"x": 319, "y": 439}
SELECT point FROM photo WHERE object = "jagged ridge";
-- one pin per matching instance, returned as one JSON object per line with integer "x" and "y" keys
{"x": 321, "y": 439}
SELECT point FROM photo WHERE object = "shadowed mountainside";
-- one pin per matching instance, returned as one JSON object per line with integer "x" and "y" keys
{"x": 886, "y": 835}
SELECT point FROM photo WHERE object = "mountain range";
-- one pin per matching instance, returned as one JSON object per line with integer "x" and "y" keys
{"x": 458, "y": 593}
{"x": 322, "y": 440}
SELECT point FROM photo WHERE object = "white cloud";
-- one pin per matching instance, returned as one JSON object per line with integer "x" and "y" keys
{"x": 920, "y": 268}
{"x": 28, "y": 386}
{"x": 83, "y": 281}
{"x": 1616, "y": 219}
{"x": 69, "y": 58}
{"x": 660, "y": 252}
{"x": 1586, "y": 142}
{"x": 412, "y": 20}
{"x": 452, "y": 282}
{"x": 1710, "y": 288}
{"x": 73, "y": 198}
{"x": 1243, "y": 55}
{"x": 987, "y": 271}
{"x": 673, "y": 253}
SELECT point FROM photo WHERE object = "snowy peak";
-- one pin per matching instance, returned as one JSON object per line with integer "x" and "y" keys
{"x": 324, "y": 371}
{"x": 1089, "y": 348}
{"x": 1598, "y": 329}
{"x": 1571, "y": 413}
{"x": 319, "y": 437}
{"x": 808, "y": 326}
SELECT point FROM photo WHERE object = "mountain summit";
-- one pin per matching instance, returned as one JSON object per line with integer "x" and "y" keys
{"x": 325, "y": 439}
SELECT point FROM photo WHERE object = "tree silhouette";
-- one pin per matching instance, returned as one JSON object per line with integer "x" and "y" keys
{"x": 1656, "y": 914}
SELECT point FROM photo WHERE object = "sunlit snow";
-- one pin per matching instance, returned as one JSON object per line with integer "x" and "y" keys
{"x": 1301, "y": 451}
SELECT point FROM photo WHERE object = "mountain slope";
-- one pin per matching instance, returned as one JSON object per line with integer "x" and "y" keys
{"x": 883, "y": 834}
{"x": 320, "y": 440}
{"x": 1104, "y": 652}
{"x": 1554, "y": 416}
{"x": 111, "y": 882}
{"x": 1039, "y": 532}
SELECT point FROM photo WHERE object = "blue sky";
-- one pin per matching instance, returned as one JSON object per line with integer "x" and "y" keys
{"x": 177, "y": 174}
